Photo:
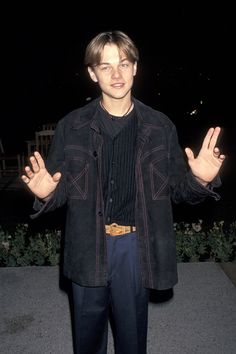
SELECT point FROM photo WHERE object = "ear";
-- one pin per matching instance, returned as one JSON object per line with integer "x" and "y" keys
{"x": 92, "y": 74}
{"x": 135, "y": 69}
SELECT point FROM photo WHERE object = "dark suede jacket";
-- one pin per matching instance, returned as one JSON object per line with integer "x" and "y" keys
{"x": 162, "y": 176}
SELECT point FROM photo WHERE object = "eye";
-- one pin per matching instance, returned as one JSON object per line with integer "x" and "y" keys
{"x": 124, "y": 65}
{"x": 105, "y": 68}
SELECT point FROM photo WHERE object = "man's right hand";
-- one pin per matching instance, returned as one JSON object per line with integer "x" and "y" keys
{"x": 38, "y": 179}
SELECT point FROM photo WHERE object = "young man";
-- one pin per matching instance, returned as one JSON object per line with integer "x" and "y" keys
{"x": 117, "y": 164}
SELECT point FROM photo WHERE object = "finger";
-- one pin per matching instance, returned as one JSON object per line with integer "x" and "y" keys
{"x": 189, "y": 153}
{"x": 207, "y": 138}
{"x": 56, "y": 177}
{"x": 222, "y": 157}
{"x": 29, "y": 172}
{"x": 34, "y": 164}
{"x": 216, "y": 152}
{"x": 25, "y": 179}
{"x": 214, "y": 138}
{"x": 39, "y": 159}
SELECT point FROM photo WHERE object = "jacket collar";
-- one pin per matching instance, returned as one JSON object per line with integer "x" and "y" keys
{"x": 88, "y": 115}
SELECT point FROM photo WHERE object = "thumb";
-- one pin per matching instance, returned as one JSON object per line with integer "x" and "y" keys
{"x": 189, "y": 154}
{"x": 56, "y": 177}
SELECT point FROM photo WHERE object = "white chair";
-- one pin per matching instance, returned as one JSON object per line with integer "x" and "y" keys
{"x": 43, "y": 140}
{"x": 49, "y": 126}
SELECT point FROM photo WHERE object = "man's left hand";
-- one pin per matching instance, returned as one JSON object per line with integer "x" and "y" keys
{"x": 207, "y": 164}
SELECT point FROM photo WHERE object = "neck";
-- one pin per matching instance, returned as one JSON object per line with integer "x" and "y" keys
{"x": 120, "y": 110}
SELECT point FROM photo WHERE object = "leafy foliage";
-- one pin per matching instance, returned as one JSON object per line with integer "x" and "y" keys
{"x": 22, "y": 249}
{"x": 196, "y": 243}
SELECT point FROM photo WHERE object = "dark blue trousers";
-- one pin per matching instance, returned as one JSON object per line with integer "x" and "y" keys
{"x": 123, "y": 297}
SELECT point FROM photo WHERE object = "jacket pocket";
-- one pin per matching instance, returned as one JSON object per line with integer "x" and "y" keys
{"x": 159, "y": 179}
{"x": 77, "y": 178}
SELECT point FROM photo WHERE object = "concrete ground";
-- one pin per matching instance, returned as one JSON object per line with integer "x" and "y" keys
{"x": 200, "y": 317}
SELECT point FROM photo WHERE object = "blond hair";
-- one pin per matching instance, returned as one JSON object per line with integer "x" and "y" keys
{"x": 95, "y": 47}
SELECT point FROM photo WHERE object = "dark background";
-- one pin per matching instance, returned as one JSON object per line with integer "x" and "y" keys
{"x": 185, "y": 70}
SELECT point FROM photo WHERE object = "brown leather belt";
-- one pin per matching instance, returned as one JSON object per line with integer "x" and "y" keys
{"x": 117, "y": 230}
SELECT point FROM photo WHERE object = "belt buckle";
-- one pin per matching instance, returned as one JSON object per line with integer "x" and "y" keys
{"x": 115, "y": 229}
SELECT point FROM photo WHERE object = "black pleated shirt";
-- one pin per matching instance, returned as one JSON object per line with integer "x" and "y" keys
{"x": 118, "y": 166}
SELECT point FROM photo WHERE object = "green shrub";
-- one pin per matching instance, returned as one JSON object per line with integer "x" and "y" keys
{"x": 222, "y": 243}
{"x": 191, "y": 242}
{"x": 21, "y": 247}
{"x": 194, "y": 243}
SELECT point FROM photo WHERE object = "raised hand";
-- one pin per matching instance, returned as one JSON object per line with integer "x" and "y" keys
{"x": 38, "y": 179}
{"x": 207, "y": 164}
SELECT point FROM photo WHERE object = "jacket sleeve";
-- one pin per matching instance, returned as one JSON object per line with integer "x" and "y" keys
{"x": 184, "y": 186}
{"x": 54, "y": 163}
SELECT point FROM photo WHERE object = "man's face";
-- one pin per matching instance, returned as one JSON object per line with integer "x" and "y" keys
{"x": 115, "y": 73}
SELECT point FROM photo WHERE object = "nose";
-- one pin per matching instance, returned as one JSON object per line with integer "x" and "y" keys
{"x": 116, "y": 72}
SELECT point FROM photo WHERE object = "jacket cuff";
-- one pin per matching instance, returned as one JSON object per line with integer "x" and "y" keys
{"x": 41, "y": 206}
{"x": 205, "y": 191}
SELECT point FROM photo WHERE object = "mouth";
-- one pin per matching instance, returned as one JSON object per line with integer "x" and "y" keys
{"x": 117, "y": 85}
